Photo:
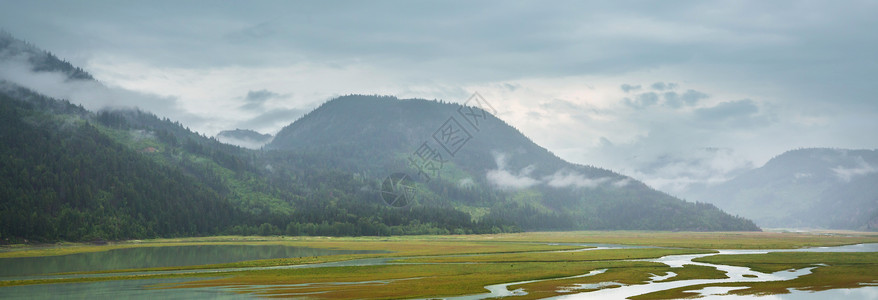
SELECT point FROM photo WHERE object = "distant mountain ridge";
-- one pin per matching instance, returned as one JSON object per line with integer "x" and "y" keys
{"x": 811, "y": 188}
{"x": 246, "y": 138}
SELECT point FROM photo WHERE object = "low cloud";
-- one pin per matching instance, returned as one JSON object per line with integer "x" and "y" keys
{"x": 847, "y": 173}
{"x": 677, "y": 171}
{"x": 506, "y": 179}
{"x": 622, "y": 182}
{"x": 90, "y": 94}
{"x": 466, "y": 183}
{"x": 564, "y": 178}
{"x": 243, "y": 142}
{"x": 272, "y": 119}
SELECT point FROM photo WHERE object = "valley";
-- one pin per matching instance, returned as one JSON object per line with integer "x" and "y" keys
{"x": 438, "y": 150}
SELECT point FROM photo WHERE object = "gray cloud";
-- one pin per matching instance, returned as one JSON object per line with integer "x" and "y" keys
{"x": 661, "y": 86}
{"x": 628, "y": 88}
{"x": 512, "y": 87}
{"x": 808, "y": 66}
{"x": 439, "y": 38}
{"x": 255, "y": 100}
{"x": 91, "y": 94}
{"x": 260, "y": 96}
{"x": 728, "y": 110}
{"x": 689, "y": 98}
{"x": 560, "y": 105}
{"x": 643, "y": 100}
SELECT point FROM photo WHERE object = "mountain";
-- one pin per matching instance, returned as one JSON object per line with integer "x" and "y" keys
{"x": 807, "y": 188}
{"x": 465, "y": 157}
{"x": 16, "y": 50}
{"x": 71, "y": 174}
{"x": 68, "y": 173}
{"x": 244, "y": 138}
{"x": 62, "y": 177}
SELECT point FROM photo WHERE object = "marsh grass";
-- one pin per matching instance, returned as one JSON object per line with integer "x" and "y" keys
{"x": 436, "y": 266}
{"x": 405, "y": 280}
{"x": 589, "y": 255}
{"x": 701, "y": 240}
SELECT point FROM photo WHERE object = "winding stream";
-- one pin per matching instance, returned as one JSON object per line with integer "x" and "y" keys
{"x": 734, "y": 273}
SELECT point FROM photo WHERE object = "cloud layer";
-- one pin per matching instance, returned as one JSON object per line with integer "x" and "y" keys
{"x": 672, "y": 93}
{"x": 563, "y": 178}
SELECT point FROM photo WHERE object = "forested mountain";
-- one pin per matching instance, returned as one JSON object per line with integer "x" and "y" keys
{"x": 486, "y": 167}
{"x": 810, "y": 188}
{"x": 40, "y": 60}
{"x": 71, "y": 174}
{"x": 67, "y": 173}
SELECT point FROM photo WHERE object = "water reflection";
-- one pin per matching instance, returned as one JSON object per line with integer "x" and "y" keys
{"x": 151, "y": 257}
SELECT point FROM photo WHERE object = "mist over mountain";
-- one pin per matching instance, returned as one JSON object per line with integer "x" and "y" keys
{"x": 12, "y": 50}
{"x": 246, "y": 138}
{"x": 805, "y": 188}
{"x": 73, "y": 173}
{"x": 517, "y": 179}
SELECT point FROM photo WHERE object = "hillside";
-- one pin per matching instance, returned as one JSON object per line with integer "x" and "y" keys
{"x": 61, "y": 177}
{"x": 810, "y": 188}
{"x": 493, "y": 170}
{"x": 71, "y": 174}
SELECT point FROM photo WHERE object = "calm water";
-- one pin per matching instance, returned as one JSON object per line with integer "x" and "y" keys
{"x": 150, "y": 257}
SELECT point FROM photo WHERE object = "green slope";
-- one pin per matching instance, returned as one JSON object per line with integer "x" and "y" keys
{"x": 71, "y": 174}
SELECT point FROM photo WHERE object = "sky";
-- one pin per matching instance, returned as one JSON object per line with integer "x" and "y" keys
{"x": 674, "y": 93}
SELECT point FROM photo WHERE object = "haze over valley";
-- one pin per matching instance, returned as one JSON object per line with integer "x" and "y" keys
{"x": 434, "y": 150}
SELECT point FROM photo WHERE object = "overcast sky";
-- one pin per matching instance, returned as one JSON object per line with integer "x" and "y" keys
{"x": 669, "y": 92}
